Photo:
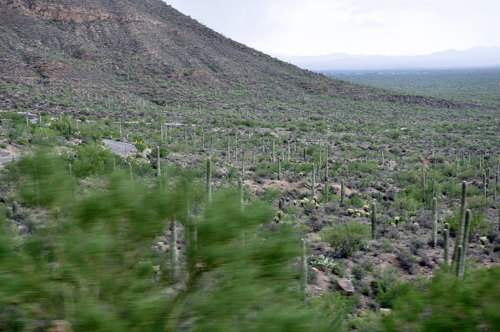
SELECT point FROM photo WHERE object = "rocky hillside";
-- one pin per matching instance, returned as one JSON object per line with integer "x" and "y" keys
{"x": 78, "y": 56}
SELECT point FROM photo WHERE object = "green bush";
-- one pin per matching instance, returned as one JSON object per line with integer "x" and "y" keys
{"x": 356, "y": 202}
{"x": 408, "y": 203}
{"x": 93, "y": 159}
{"x": 96, "y": 267}
{"x": 386, "y": 287}
{"x": 140, "y": 146}
{"x": 163, "y": 152}
{"x": 449, "y": 304}
{"x": 271, "y": 194}
{"x": 346, "y": 239}
{"x": 478, "y": 224}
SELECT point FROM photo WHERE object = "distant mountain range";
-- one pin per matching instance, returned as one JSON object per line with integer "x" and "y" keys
{"x": 476, "y": 57}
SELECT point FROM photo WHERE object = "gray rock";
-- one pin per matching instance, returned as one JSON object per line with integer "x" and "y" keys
{"x": 345, "y": 285}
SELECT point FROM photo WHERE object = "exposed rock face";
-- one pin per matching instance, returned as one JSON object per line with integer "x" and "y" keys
{"x": 78, "y": 15}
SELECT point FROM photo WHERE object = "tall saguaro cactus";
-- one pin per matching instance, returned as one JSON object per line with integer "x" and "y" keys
{"x": 303, "y": 271}
{"x": 374, "y": 220}
{"x": 460, "y": 232}
{"x": 484, "y": 186}
{"x": 279, "y": 168}
{"x": 423, "y": 184}
{"x": 313, "y": 187}
{"x": 434, "y": 223}
{"x": 465, "y": 245}
{"x": 173, "y": 251}
{"x": 240, "y": 191}
{"x": 209, "y": 180}
{"x": 158, "y": 165}
{"x": 342, "y": 191}
{"x": 446, "y": 235}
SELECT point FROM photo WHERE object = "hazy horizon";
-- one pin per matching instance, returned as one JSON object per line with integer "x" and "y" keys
{"x": 375, "y": 27}
{"x": 362, "y": 54}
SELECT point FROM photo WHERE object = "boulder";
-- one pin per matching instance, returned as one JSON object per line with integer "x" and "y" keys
{"x": 345, "y": 285}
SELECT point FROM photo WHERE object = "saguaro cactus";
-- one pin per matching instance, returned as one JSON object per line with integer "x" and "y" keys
{"x": 423, "y": 185}
{"x": 465, "y": 245}
{"x": 342, "y": 191}
{"x": 240, "y": 191}
{"x": 274, "y": 151}
{"x": 374, "y": 220}
{"x": 303, "y": 271}
{"x": 209, "y": 180}
{"x": 446, "y": 235}
{"x": 14, "y": 207}
{"x": 313, "y": 187}
{"x": 459, "y": 254}
{"x": 243, "y": 163}
{"x": 484, "y": 186}
{"x": 460, "y": 232}
{"x": 173, "y": 251}
{"x": 158, "y": 165}
{"x": 279, "y": 168}
{"x": 327, "y": 188}
{"x": 434, "y": 223}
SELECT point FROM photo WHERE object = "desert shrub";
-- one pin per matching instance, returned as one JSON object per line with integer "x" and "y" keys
{"x": 479, "y": 202}
{"x": 456, "y": 191}
{"x": 368, "y": 167}
{"x": 408, "y": 202}
{"x": 346, "y": 239}
{"x": 163, "y": 152}
{"x": 449, "y": 304}
{"x": 386, "y": 287}
{"x": 356, "y": 202}
{"x": 271, "y": 194}
{"x": 407, "y": 178}
{"x": 92, "y": 159}
{"x": 394, "y": 134}
{"x": 358, "y": 271}
{"x": 46, "y": 181}
{"x": 348, "y": 138}
{"x": 406, "y": 260}
{"x": 478, "y": 224}
{"x": 140, "y": 146}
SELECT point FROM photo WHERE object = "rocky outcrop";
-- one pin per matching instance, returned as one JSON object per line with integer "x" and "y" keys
{"x": 78, "y": 15}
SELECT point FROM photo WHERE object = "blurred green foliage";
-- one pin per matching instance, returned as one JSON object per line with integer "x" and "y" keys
{"x": 449, "y": 304}
{"x": 94, "y": 265}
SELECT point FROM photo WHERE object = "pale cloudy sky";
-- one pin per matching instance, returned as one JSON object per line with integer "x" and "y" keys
{"x": 386, "y": 27}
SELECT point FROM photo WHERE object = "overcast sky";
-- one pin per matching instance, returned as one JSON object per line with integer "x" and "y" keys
{"x": 386, "y": 27}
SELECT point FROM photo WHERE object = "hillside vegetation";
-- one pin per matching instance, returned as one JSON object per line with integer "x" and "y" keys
{"x": 261, "y": 197}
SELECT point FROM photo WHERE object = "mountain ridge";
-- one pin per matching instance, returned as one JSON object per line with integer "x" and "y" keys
{"x": 127, "y": 56}
{"x": 478, "y": 56}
